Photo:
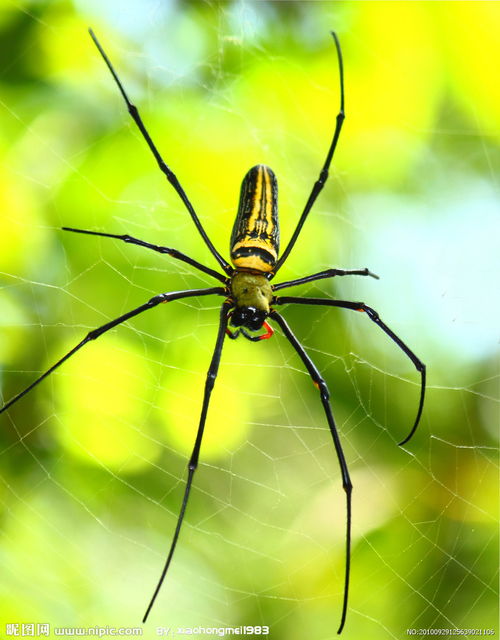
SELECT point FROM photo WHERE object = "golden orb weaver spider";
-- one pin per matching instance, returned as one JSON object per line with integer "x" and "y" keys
{"x": 249, "y": 296}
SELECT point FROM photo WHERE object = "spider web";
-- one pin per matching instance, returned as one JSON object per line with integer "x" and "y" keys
{"x": 94, "y": 461}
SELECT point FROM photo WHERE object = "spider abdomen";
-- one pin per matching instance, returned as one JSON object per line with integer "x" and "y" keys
{"x": 255, "y": 236}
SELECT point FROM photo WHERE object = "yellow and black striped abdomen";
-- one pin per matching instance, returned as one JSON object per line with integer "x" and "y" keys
{"x": 255, "y": 237}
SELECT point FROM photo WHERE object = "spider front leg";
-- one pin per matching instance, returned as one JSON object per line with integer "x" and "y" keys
{"x": 164, "y": 168}
{"x": 193, "y": 461}
{"x": 346, "y": 480}
{"x": 323, "y": 175}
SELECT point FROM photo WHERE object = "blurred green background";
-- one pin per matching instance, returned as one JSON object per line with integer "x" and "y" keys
{"x": 93, "y": 462}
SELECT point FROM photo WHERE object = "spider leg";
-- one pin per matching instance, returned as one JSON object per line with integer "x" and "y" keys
{"x": 323, "y": 176}
{"x": 328, "y": 273}
{"x": 193, "y": 461}
{"x": 95, "y": 333}
{"x": 166, "y": 250}
{"x": 346, "y": 481}
{"x": 374, "y": 317}
{"x": 171, "y": 177}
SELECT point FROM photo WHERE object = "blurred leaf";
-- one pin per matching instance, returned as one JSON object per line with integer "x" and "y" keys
{"x": 102, "y": 406}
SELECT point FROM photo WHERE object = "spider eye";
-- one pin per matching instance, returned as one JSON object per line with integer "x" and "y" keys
{"x": 249, "y": 317}
{"x": 239, "y": 317}
{"x": 257, "y": 320}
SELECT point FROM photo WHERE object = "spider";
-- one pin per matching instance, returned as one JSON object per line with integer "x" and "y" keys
{"x": 250, "y": 298}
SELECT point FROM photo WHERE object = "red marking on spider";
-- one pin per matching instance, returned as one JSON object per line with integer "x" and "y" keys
{"x": 269, "y": 332}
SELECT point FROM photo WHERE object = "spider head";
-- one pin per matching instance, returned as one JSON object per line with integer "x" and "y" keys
{"x": 252, "y": 295}
{"x": 249, "y": 317}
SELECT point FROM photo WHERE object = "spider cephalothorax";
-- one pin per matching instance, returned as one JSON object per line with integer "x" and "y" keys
{"x": 251, "y": 294}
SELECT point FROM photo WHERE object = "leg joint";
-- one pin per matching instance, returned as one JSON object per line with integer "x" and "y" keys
{"x": 161, "y": 297}
{"x": 209, "y": 384}
{"x": 371, "y": 313}
{"x": 323, "y": 177}
{"x": 170, "y": 175}
{"x": 323, "y": 389}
